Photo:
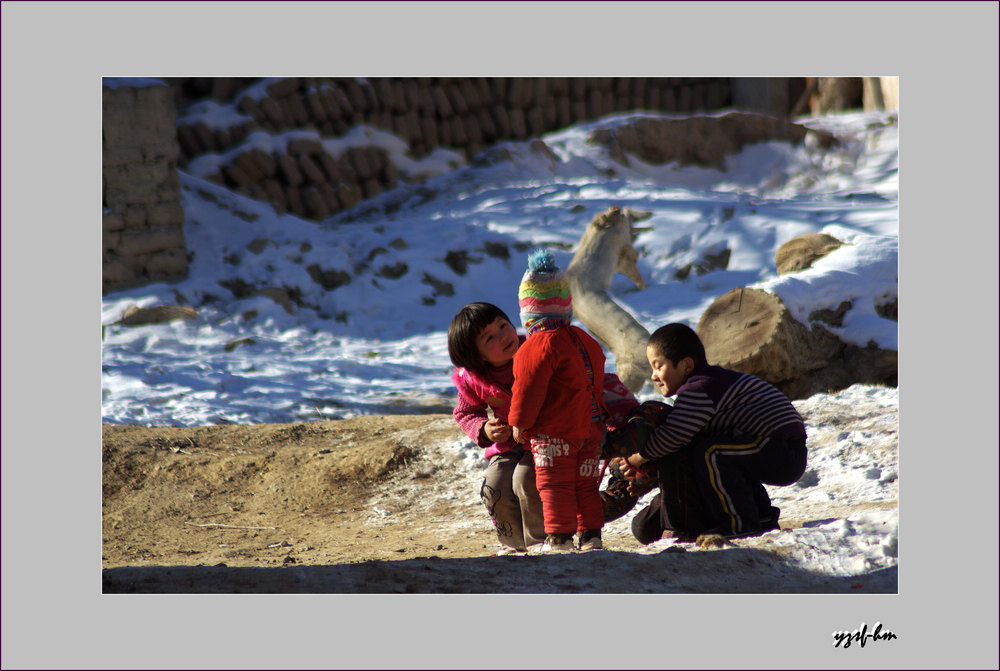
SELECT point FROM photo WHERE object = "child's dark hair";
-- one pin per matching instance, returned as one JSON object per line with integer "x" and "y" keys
{"x": 676, "y": 341}
{"x": 465, "y": 328}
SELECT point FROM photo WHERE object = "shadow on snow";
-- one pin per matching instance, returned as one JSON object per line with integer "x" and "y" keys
{"x": 675, "y": 571}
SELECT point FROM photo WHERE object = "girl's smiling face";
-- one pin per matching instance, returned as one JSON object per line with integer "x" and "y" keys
{"x": 497, "y": 342}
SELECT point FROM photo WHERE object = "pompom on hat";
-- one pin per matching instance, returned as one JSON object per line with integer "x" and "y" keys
{"x": 543, "y": 294}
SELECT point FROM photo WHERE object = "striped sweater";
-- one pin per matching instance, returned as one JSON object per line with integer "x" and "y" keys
{"x": 715, "y": 400}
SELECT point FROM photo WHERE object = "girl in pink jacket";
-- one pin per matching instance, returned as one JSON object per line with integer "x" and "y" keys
{"x": 481, "y": 343}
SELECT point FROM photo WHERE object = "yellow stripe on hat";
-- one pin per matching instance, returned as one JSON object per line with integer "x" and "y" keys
{"x": 544, "y": 289}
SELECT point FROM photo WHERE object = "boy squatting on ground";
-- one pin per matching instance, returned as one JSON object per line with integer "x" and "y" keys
{"x": 482, "y": 343}
{"x": 557, "y": 407}
{"x": 739, "y": 432}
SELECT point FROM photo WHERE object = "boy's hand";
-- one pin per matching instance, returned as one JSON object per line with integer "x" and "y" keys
{"x": 635, "y": 461}
{"x": 630, "y": 466}
{"x": 516, "y": 433}
{"x": 497, "y": 430}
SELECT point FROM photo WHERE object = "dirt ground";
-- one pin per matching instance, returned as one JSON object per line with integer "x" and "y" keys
{"x": 276, "y": 494}
{"x": 368, "y": 505}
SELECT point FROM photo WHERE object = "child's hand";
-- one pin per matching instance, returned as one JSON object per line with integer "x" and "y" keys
{"x": 497, "y": 430}
{"x": 628, "y": 470}
{"x": 516, "y": 433}
{"x": 622, "y": 465}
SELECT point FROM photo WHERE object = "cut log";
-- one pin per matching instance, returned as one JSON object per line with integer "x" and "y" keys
{"x": 752, "y": 331}
{"x": 801, "y": 252}
{"x": 607, "y": 248}
{"x": 157, "y": 314}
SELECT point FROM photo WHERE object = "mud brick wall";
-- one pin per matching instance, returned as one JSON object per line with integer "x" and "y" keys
{"x": 143, "y": 221}
{"x": 465, "y": 115}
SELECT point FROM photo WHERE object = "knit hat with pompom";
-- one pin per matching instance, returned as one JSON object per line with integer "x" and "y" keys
{"x": 544, "y": 292}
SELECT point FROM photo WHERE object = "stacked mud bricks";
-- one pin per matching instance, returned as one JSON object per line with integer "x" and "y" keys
{"x": 464, "y": 115}
{"x": 143, "y": 221}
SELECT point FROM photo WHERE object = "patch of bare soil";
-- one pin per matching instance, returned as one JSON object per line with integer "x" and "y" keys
{"x": 368, "y": 505}
{"x": 275, "y": 494}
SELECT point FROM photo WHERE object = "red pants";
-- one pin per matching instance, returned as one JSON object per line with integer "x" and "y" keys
{"x": 568, "y": 476}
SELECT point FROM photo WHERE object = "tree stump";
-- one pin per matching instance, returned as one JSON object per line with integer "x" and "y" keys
{"x": 157, "y": 314}
{"x": 801, "y": 252}
{"x": 752, "y": 331}
{"x": 607, "y": 248}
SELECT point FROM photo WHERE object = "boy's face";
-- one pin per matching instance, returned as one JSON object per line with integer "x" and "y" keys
{"x": 497, "y": 342}
{"x": 667, "y": 375}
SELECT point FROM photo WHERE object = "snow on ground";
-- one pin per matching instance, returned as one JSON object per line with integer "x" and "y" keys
{"x": 408, "y": 259}
{"x": 950, "y": 187}
{"x": 843, "y": 510}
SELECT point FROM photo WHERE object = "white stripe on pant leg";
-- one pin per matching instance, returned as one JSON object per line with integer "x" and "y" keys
{"x": 715, "y": 477}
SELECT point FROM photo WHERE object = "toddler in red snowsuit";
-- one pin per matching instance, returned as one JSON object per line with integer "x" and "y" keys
{"x": 557, "y": 407}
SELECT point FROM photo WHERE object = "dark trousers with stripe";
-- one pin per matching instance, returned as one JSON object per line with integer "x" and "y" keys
{"x": 731, "y": 470}
{"x": 678, "y": 507}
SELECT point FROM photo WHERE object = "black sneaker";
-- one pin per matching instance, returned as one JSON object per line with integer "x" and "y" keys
{"x": 769, "y": 521}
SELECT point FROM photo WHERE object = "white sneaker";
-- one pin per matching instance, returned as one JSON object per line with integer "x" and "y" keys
{"x": 557, "y": 543}
{"x": 591, "y": 540}
{"x": 508, "y": 550}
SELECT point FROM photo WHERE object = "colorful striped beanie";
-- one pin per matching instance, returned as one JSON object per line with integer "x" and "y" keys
{"x": 544, "y": 292}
